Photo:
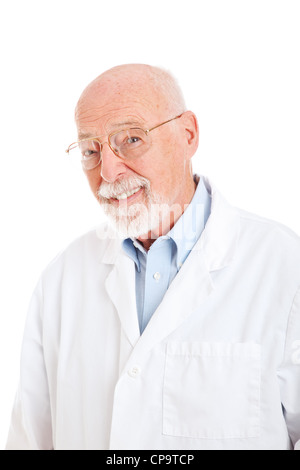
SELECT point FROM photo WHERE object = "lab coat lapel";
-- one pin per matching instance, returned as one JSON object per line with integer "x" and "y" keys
{"x": 120, "y": 286}
{"x": 220, "y": 236}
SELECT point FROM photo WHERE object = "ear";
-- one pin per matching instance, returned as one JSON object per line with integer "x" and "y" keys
{"x": 191, "y": 132}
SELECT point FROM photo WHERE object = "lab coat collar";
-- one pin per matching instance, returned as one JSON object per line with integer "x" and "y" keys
{"x": 190, "y": 225}
{"x": 114, "y": 242}
{"x": 220, "y": 236}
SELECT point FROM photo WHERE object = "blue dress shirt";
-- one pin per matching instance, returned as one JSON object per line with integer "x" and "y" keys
{"x": 155, "y": 269}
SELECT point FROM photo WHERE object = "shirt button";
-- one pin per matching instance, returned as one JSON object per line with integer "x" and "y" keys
{"x": 134, "y": 372}
{"x": 156, "y": 276}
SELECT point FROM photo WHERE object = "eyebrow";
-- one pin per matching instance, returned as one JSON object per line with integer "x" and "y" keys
{"x": 127, "y": 123}
{"x": 84, "y": 135}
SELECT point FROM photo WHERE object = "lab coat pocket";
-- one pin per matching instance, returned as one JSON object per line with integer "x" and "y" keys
{"x": 212, "y": 390}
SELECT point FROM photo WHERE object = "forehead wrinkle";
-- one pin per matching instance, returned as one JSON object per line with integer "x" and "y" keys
{"x": 88, "y": 113}
{"x": 94, "y": 123}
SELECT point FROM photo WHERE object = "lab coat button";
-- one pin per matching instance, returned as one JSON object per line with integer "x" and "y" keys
{"x": 134, "y": 372}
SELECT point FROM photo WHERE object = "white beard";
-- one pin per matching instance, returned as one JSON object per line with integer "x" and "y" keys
{"x": 136, "y": 219}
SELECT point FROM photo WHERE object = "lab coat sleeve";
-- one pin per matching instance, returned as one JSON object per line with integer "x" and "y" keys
{"x": 30, "y": 427}
{"x": 289, "y": 374}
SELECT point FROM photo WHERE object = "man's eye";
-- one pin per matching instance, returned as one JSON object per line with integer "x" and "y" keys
{"x": 89, "y": 154}
{"x": 133, "y": 140}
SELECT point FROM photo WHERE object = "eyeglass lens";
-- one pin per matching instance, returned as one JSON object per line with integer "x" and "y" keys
{"x": 128, "y": 144}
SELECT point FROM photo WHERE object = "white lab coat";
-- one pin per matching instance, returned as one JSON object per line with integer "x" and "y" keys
{"x": 218, "y": 366}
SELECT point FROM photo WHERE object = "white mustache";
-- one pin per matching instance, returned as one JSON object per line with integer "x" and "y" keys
{"x": 111, "y": 190}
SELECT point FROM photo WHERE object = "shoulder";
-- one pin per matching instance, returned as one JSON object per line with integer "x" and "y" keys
{"x": 249, "y": 222}
{"x": 264, "y": 226}
{"x": 87, "y": 249}
{"x": 261, "y": 235}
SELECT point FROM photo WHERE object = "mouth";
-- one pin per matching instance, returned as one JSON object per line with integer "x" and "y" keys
{"x": 126, "y": 197}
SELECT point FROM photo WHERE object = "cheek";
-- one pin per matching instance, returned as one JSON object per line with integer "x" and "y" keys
{"x": 94, "y": 180}
{"x": 162, "y": 167}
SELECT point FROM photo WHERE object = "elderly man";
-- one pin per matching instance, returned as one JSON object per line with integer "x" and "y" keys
{"x": 176, "y": 325}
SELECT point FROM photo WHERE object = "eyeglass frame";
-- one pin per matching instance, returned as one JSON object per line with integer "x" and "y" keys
{"x": 147, "y": 131}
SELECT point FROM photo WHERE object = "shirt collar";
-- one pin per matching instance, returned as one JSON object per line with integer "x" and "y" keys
{"x": 190, "y": 225}
{"x": 129, "y": 245}
{"x": 187, "y": 229}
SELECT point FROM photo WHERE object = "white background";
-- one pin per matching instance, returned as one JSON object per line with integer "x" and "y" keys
{"x": 238, "y": 62}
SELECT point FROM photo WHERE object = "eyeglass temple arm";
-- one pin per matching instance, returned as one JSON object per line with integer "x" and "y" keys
{"x": 169, "y": 120}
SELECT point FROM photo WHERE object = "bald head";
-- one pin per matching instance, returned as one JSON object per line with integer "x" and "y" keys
{"x": 156, "y": 88}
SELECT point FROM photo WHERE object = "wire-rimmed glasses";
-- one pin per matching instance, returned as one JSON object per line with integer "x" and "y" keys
{"x": 127, "y": 144}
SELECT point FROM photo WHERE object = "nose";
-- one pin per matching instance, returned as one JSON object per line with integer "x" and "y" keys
{"x": 112, "y": 166}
